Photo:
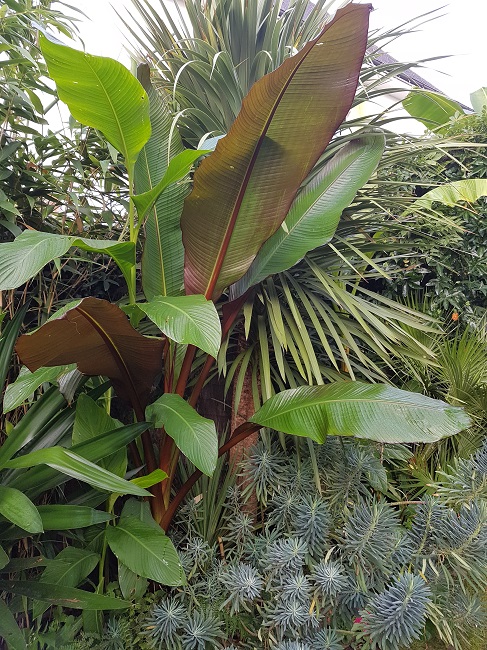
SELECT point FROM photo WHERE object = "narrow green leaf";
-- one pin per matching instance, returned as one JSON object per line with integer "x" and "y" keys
{"x": 315, "y": 212}
{"x": 28, "y": 382}
{"x": 9, "y": 630}
{"x": 150, "y": 479}
{"x": 70, "y": 516}
{"x": 64, "y": 596}
{"x": 70, "y": 567}
{"x": 146, "y": 551}
{"x": 178, "y": 168}
{"x": 4, "y": 558}
{"x": 37, "y": 417}
{"x": 90, "y": 421}
{"x": 193, "y": 434}
{"x": 67, "y": 462}
{"x": 23, "y": 258}
{"x": 20, "y": 510}
{"x": 479, "y": 100}
{"x": 101, "y": 93}
{"x": 375, "y": 412}
{"x": 186, "y": 319}
{"x": 39, "y": 479}
{"x": 7, "y": 342}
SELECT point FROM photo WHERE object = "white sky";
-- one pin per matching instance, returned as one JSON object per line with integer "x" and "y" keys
{"x": 459, "y": 33}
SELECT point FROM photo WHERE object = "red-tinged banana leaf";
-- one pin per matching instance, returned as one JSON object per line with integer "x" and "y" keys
{"x": 243, "y": 191}
{"x": 97, "y": 336}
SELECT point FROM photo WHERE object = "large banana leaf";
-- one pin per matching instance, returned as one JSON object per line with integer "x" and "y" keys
{"x": 314, "y": 214}
{"x": 97, "y": 336}
{"x": 101, "y": 93}
{"x": 371, "y": 411}
{"x": 163, "y": 256}
{"x": 21, "y": 259}
{"x": 469, "y": 190}
{"x": 431, "y": 109}
{"x": 243, "y": 191}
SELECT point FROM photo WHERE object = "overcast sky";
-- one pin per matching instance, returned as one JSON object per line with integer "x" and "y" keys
{"x": 459, "y": 33}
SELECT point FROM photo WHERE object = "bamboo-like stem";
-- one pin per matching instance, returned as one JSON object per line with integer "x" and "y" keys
{"x": 133, "y": 234}
{"x": 240, "y": 433}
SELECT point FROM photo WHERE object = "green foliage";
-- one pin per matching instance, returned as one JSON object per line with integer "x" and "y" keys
{"x": 446, "y": 258}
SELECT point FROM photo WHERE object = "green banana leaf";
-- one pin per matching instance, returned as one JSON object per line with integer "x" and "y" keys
{"x": 29, "y": 253}
{"x": 102, "y": 93}
{"x": 163, "y": 254}
{"x": 370, "y": 411}
{"x": 431, "y": 109}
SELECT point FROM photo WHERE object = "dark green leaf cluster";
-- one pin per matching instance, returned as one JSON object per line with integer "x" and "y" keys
{"x": 446, "y": 259}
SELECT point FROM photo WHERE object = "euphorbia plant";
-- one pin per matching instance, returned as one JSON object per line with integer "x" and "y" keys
{"x": 255, "y": 209}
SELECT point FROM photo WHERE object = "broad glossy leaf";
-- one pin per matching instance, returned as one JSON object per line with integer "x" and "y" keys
{"x": 67, "y": 462}
{"x": 193, "y": 434}
{"x": 69, "y": 568}
{"x": 9, "y": 630}
{"x": 101, "y": 93}
{"x": 163, "y": 255}
{"x": 469, "y": 190}
{"x": 20, "y": 510}
{"x": 97, "y": 336}
{"x": 28, "y": 382}
{"x": 146, "y": 551}
{"x": 70, "y": 516}
{"x": 371, "y": 411}
{"x": 186, "y": 319}
{"x": 92, "y": 420}
{"x": 29, "y": 253}
{"x": 178, "y": 168}
{"x": 244, "y": 189}
{"x": 64, "y": 596}
{"x": 316, "y": 210}
{"x": 479, "y": 100}
{"x": 431, "y": 109}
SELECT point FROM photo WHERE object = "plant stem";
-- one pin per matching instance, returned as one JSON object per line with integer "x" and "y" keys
{"x": 240, "y": 433}
{"x": 133, "y": 233}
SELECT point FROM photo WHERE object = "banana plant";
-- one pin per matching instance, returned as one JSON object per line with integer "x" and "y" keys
{"x": 253, "y": 208}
